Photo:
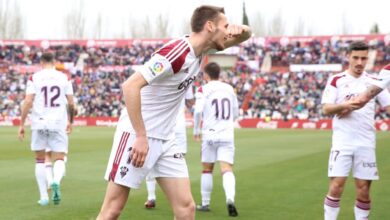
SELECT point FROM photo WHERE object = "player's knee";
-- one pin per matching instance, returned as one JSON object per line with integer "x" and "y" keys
{"x": 363, "y": 192}
{"x": 336, "y": 189}
{"x": 186, "y": 210}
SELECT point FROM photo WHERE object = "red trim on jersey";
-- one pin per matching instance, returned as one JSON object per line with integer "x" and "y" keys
{"x": 30, "y": 77}
{"x": 200, "y": 89}
{"x": 387, "y": 67}
{"x": 118, "y": 155}
{"x": 163, "y": 51}
{"x": 334, "y": 80}
{"x": 179, "y": 61}
{"x": 175, "y": 53}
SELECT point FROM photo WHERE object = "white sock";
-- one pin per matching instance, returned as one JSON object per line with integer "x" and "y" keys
{"x": 49, "y": 173}
{"x": 206, "y": 187}
{"x": 362, "y": 210}
{"x": 58, "y": 171}
{"x": 40, "y": 176}
{"x": 331, "y": 208}
{"x": 151, "y": 187}
{"x": 229, "y": 185}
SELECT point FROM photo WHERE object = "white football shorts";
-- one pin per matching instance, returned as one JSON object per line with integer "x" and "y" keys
{"x": 217, "y": 150}
{"x": 164, "y": 159}
{"x": 361, "y": 160}
{"x": 44, "y": 139}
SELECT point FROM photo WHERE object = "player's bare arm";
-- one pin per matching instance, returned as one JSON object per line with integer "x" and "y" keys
{"x": 27, "y": 104}
{"x": 339, "y": 109}
{"x": 237, "y": 34}
{"x": 132, "y": 97}
{"x": 71, "y": 113}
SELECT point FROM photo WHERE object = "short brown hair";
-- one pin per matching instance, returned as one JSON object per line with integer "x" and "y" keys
{"x": 212, "y": 70}
{"x": 47, "y": 57}
{"x": 358, "y": 45}
{"x": 203, "y": 14}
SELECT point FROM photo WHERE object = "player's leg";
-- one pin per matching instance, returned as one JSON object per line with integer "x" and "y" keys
{"x": 363, "y": 202}
{"x": 58, "y": 142}
{"x": 171, "y": 173}
{"x": 122, "y": 175}
{"x": 38, "y": 144}
{"x": 178, "y": 192}
{"x": 364, "y": 171}
{"x": 151, "y": 188}
{"x": 206, "y": 186}
{"x": 225, "y": 156}
{"x": 114, "y": 201}
{"x": 48, "y": 167}
{"x": 40, "y": 176}
{"x": 208, "y": 157}
{"x": 340, "y": 164}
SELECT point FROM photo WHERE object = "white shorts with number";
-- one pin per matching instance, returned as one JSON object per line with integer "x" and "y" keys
{"x": 164, "y": 159}
{"x": 361, "y": 160}
{"x": 218, "y": 150}
{"x": 55, "y": 140}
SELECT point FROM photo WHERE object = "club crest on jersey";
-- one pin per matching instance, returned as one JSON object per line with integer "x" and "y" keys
{"x": 157, "y": 67}
{"x": 124, "y": 171}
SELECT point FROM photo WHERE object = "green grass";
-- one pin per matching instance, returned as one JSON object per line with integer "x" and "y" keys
{"x": 280, "y": 175}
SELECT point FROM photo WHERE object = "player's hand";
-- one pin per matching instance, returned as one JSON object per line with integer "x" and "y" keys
{"x": 235, "y": 30}
{"x": 139, "y": 151}
{"x": 69, "y": 128}
{"x": 197, "y": 137}
{"x": 21, "y": 133}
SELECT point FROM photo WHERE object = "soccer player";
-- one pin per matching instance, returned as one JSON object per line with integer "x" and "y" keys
{"x": 50, "y": 95}
{"x": 144, "y": 141}
{"x": 181, "y": 141}
{"x": 218, "y": 104}
{"x": 353, "y": 141}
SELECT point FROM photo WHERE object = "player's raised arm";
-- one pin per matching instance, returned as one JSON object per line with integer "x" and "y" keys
{"x": 237, "y": 34}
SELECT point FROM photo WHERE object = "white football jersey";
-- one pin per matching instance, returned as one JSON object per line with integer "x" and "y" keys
{"x": 49, "y": 109}
{"x": 181, "y": 118}
{"x": 169, "y": 73}
{"x": 357, "y": 128}
{"x": 383, "y": 79}
{"x": 218, "y": 103}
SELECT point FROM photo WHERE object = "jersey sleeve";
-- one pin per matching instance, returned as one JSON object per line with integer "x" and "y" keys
{"x": 235, "y": 106}
{"x": 30, "y": 88}
{"x": 330, "y": 93}
{"x": 69, "y": 88}
{"x": 157, "y": 67}
{"x": 383, "y": 80}
{"x": 199, "y": 101}
{"x": 384, "y": 98}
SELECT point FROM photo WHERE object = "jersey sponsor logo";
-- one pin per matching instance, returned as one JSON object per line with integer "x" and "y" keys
{"x": 157, "y": 67}
{"x": 186, "y": 83}
{"x": 179, "y": 155}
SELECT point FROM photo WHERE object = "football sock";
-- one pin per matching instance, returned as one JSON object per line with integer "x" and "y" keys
{"x": 49, "y": 173}
{"x": 229, "y": 185}
{"x": 331, "y": 208}
{"x": 206, "y": 187}
{"x": 58, "y": 171}
{"x": 151, "y": 187}
{"x": 41, "y": 178}
{"x": 362, "y": 209}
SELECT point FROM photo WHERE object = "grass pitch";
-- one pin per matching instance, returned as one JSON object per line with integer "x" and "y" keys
{"x": 280, "y": 175}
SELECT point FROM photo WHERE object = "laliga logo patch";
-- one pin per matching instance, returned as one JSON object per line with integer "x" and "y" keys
{"x": 158, "y": 67}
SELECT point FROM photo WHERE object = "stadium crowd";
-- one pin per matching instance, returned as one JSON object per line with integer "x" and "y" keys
{"x": 278, "y": 95}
